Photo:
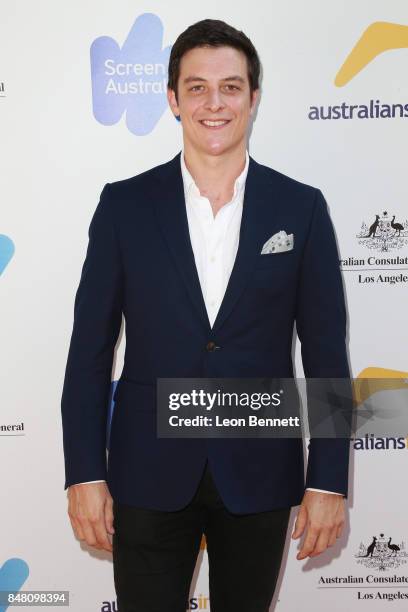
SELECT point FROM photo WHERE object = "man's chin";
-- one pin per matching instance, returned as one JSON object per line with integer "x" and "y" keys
{"x": 217, "y": 148}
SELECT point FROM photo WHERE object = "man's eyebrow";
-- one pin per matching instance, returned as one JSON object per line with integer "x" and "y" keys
{"x": 191, "y": 78}
{"x": 235, "y": 78}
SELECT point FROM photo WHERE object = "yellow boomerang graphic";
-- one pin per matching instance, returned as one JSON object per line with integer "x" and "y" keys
{"x": 372, "y": 379}
{"x": 377, "y": 38}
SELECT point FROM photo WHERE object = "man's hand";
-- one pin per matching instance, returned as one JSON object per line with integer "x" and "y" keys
{"x": 91, "y": 514}
{"x": 323, "y": 515}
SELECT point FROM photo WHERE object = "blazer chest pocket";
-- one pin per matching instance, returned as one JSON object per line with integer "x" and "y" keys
{"x": 275, "y": 260}
{"x": 273, "y": 272}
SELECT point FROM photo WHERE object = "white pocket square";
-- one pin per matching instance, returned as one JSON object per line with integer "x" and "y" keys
{"x": 279, "y": 242}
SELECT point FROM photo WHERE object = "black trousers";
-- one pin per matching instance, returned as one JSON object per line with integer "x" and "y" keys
{"x": 155, "y": 553}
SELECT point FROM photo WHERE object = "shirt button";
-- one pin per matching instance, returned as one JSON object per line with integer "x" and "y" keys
{"x": 212, "y": 258}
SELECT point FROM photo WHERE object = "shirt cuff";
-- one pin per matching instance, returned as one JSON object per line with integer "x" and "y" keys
{"x": 323, "y": 491}
{"x": 89, "y": 481}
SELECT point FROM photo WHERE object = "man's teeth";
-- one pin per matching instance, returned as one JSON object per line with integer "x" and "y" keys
{"x": 213, "y": 123}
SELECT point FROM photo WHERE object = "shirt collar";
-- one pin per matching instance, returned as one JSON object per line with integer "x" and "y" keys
{"x": 190, "y": 185}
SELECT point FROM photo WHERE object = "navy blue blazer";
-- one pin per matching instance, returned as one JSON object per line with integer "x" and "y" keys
{"x": 140, "y": 262}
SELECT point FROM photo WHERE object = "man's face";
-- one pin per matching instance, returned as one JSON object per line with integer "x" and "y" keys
{"x": 213, "y": 86}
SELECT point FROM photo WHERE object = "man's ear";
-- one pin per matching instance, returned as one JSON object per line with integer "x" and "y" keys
{"x": 171, "y": 97}
{"x": 254, "y": 102}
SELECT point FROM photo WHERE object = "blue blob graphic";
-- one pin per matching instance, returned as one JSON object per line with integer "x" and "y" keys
{"x": 131, "y": 79}
{"x": 13, "y": 573}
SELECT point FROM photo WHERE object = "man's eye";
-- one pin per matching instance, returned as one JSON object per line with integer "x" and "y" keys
{"x": 200, "y": 87}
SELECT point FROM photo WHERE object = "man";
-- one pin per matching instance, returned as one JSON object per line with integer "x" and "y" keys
{"x": 177, "y": 250}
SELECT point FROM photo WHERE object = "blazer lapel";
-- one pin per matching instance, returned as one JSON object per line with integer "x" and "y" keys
{"x": 172, "y": 217}
{"x": 171, "y": 214}
{"x": 251, "y": 238}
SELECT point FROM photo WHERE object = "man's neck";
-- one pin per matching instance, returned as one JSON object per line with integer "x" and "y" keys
{"x": 215, "y": 175}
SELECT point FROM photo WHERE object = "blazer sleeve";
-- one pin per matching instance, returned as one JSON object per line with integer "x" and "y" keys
{"x": 321, "y": 326}
{"x": 96, "y": 326}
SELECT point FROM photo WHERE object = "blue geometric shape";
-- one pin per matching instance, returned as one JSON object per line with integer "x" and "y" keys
{"x": 6, "y": 251}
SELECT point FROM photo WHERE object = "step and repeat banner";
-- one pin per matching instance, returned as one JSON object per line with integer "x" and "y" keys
{"x": 83, "y": 102}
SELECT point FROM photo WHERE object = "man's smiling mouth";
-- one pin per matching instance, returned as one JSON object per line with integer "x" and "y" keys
{"x": 214, "y": 124}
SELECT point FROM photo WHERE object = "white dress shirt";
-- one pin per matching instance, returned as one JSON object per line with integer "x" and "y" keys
{"x": 214, "y": 240}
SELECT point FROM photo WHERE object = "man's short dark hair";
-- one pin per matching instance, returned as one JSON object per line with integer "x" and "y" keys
{"x": 213, "y": 33}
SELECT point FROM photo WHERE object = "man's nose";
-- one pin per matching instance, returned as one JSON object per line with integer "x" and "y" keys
{"x": 214, "y": 100}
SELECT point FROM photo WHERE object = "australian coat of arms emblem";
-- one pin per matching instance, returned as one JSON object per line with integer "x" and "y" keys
{"x": 382, "y": 553}
{"x": 384, "y": 233}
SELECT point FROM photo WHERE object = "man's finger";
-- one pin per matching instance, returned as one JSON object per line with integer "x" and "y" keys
{"x": 321, "y": 543}
{"x": 332, "y": 537}
{"x": 102, "y": 536}
{"x": 90, "y": 536}
{"x": 77, "y": 528}
{"x": 300, "y": 523}
{"x": 308, "y": 543}
{"x": 108, "y": 511}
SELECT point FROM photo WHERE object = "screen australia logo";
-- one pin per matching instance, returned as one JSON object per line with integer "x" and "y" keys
{"x": 381, "y": 553}
{"x": 131, "y": 79}
{"x": 378, "y": 38}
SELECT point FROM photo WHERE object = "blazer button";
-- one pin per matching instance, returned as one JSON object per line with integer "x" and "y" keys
{"x": 211, "y": 346}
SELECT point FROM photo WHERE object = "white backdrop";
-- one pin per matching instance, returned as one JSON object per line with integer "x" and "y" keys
{"x": 56, "y": 155}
